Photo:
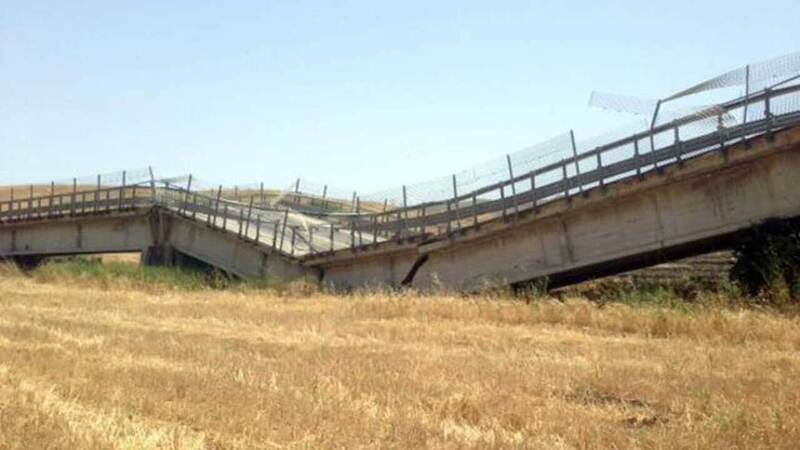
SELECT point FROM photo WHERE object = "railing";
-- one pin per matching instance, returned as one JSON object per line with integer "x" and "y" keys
{"x": 525, "y": 191}
{"x": 318, "y": 230}
{"x": 75, "y": 203}
{"x": 282, "y": 229}
{"x": 279, "y": 228}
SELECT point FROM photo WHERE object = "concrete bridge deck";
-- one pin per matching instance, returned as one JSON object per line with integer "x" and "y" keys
{"x": 658, "y": 203}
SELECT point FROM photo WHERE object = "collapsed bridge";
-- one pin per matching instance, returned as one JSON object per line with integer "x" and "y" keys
{"x": 679, "y": 186}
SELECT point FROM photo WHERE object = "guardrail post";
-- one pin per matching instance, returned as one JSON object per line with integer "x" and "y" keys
{"x": 241, "y": 221}
{"x": 97, "y": 195}
{"x": 575, "y": 157}
{"x": 652, "y": 134}
{"x": 475, "y": 210}
{"x": 352, "y": 234}
{"x": 216, "y": 205}
{"x": 405, "y": 209}
{"x": 637, "y": 158}
{"x": 600, "y": 171}
{"x": 513, "y": 184}
{"x": 74, "y": 197}
{"x": 399, "y": 233}
{"x": 449, "y": 221}
{"x": 723, "y": 134}
{"x": 297, "y": 192}
{"x": 455, "y": 203}
{"x": 152, "y": 183}
{"x": 331, "y": 238}
{"x": 746, "y": 92}
{"x": 275, "y": 234}
{"x": 194, "y": 206}
{"x": 283, "y": 230}
{"x": 249, "y": 212}
{"x": 225, "y": 218}
{"x": 678, "y": 146}
{"x": 258, "y": 228}
{"x": 503, "y": 200}
{"x": 186, "y": 195}
{"x": 324, "y": 196}
{"x": 52, "y": 198}
{"x": 294, "y": 233}
{"x": 122, "y": 189}
{"x": 565, "y": 180}
{"x": 768, "y": 112}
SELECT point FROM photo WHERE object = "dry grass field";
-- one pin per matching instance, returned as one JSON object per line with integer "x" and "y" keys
{"x": 84, "y": 365}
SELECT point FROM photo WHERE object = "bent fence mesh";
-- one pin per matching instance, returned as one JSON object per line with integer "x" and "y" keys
{"x": 309, "y": 217}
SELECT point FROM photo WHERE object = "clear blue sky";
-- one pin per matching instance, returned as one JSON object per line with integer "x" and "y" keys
{"x": 358, "y": 94}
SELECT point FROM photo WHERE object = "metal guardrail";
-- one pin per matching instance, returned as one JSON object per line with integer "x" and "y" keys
{"x": 469, "y": 209}
{"x": 75, "y": 203}
{"x": 317, "y": 230}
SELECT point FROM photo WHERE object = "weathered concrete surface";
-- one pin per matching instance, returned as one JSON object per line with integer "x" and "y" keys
{"x": 683, "y": 210}
{"x": 159, "y": 234}
{"x": 367, "y": 268}
{"x": 226, "y": 251}
{"x": 124, "y": 232}
{"x": 699, "y": 204}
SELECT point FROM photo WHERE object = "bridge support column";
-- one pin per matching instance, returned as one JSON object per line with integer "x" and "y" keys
{"x": 158, "y": 255}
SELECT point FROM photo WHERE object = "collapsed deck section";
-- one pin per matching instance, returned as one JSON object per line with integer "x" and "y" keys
{"x": 670, "y": 191}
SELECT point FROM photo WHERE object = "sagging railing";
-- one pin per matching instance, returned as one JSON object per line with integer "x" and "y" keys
{"x": 576, "y": 174}
{"x": 299, "y": 232}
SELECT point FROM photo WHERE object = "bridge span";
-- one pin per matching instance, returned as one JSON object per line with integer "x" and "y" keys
{"x": 675, "y": 189}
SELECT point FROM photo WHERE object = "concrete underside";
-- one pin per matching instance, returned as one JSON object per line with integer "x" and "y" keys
{"x": 684, "y": 210}
{"x": 162, "y": 237}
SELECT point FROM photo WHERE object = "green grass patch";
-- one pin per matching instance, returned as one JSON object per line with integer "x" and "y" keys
{"x": 120, "y": 274}
{"x": 95, "y": 273}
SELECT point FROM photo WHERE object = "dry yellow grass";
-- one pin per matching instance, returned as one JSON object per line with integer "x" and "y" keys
{"x": 92, "y": 368}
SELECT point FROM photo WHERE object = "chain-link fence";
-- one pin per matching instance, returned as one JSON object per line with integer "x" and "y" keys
{"x": 308, "y": 217}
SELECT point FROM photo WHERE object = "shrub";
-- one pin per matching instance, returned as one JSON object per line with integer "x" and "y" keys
{"x": 768, "y": 261}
